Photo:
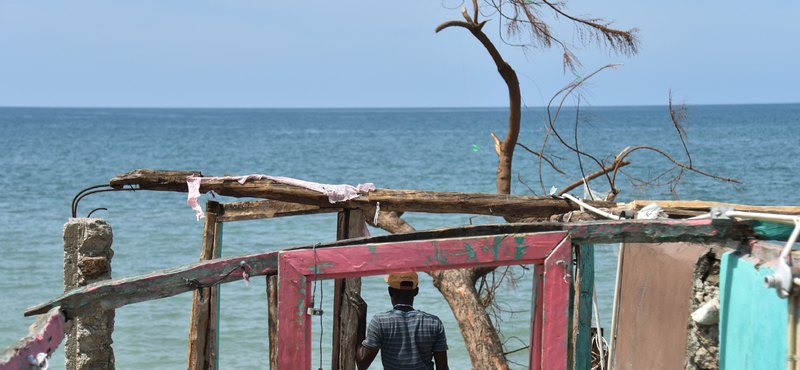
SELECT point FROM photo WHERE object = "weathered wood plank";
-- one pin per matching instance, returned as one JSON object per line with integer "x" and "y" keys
{"x": 345, "y": 313}
{"x": 591, "y": 232}
{"x": 537, "y": 314}
{"x": 166, "y": 283}
{"x": 555, "y": 303}
{"x": 200, "y": 332}
{"x": 115, "y": 293}
{"x": 272, "y": 319}
{"x": 391, "y": 200}
{"x": 154, "y": 179}
{"x": 704, "y": 206}
{"x": 44, "y": 337}
{"x": 583, "y": 303}
{"x": 260, "y": 209}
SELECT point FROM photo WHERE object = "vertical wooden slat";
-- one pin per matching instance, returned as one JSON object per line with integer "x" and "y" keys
{"x": 294, "y": 325}
{"x": 571, "y": 321}
{"x": 584, "y": 279}
{"x": 536, "y": 318}
{"x": 272, "y": 319}
{"x": 342, "y": 221}
{"x": 556, "y": 307}
{"x": 350, "y": 224}
{"x": 202, "y": 327}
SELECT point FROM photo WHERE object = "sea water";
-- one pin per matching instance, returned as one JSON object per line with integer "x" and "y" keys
{"x": 49, "y": 155}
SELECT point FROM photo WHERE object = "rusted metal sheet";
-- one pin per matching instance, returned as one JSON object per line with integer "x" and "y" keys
{"x": 298, "y": 268}
{"x": 655, "y": 304}
{"x": 44, "y": 337}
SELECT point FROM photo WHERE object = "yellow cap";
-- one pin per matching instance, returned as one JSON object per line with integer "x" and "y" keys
{"x": 402, "y": 281}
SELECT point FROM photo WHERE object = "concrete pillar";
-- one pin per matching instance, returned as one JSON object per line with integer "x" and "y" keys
{"x": 87, "y": 259}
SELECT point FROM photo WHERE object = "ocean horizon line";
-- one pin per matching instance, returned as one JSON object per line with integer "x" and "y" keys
{"x": 380, "y": 108}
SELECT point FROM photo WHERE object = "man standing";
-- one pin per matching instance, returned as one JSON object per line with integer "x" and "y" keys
{"x": 408, "y": 339}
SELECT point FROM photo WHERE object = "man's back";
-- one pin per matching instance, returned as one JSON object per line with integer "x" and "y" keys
{"x": 407, "y": 340}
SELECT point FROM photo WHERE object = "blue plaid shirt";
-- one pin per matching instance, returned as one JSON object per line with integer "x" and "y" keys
{"x": 407, "y": 340}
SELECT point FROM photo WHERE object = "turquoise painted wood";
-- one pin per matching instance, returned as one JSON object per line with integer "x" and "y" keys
{"x": 753, "y": 320}
{"x": 583, "y": 337}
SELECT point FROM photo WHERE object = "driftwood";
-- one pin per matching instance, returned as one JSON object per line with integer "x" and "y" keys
{"x": 122, "y": 291}
{"x": 390, "y": 200}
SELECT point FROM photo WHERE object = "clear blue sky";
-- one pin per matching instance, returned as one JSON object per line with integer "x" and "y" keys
{"x": 244, "y": 53}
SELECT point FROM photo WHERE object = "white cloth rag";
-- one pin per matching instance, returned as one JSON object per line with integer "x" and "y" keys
{"x": 335, "y": 193}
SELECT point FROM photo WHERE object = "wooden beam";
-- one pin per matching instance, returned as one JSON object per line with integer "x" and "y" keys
{"x": 118, "y": 292}
{"x": 154, "y": 180}
{"x": 390, "y": 200}
{"x": 260, "y": 209}
{"x": 115, "y": 293}
{"x": 44, "y": 337}
{"x": 590, "y": 232}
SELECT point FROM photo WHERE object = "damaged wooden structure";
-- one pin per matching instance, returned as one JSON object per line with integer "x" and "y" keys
{"x": 561, "y": 300}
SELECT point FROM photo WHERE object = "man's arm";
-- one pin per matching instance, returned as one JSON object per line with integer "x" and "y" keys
{"x": 365, "y": 356}
{"x": 440, "y": 358}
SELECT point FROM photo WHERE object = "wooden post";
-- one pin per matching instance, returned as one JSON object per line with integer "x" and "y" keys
{"x": 272, "y": 319}
{"x": 203, "y": 342}
{"x": 582, "y": 326}
{"x": 350, "y": 224}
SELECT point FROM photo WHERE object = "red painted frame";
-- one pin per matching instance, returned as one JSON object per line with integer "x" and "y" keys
{"x": 45, "y": 336}
{"x": 297, "y": 269}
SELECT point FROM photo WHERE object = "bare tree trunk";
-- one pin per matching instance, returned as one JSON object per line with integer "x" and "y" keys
{"x": 480, "y": 336}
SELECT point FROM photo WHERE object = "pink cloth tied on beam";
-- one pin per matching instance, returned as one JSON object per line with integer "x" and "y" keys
{"x": 335, "y": 193}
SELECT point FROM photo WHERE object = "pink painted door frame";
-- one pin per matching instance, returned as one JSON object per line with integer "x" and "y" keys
{"x": 297, "y": 269}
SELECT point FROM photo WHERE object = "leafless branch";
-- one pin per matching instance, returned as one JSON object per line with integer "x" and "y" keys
{"x": 545, "y": 158}
{"x": 593, "y": 176}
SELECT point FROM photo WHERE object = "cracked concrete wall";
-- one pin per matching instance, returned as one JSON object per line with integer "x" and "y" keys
{"x": 87, "y": 259}
{"x": 702, "y": 344}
